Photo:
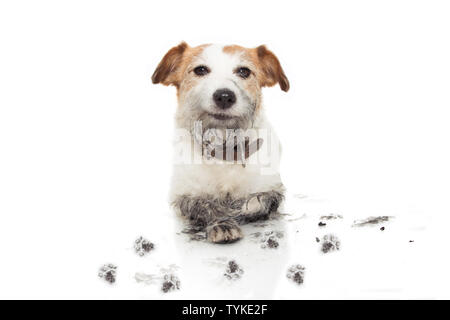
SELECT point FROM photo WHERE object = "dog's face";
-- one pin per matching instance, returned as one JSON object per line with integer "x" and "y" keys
{"x": 219, "y": 85}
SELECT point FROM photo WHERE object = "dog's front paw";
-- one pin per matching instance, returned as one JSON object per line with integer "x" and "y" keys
{"x": 271, "y": 201}
{"x": 223, "y": 232}
{"x": 259, "y": 206}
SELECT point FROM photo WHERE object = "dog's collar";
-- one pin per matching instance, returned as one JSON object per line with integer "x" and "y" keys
{"x": 238, "y": 151}
{"x": 234, "y": 148}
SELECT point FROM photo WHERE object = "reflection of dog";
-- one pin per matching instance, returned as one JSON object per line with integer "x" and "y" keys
{"x": 219, "y": 93}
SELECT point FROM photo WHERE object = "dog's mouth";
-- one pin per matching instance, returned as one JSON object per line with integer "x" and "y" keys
{"x": 220, "y": 116}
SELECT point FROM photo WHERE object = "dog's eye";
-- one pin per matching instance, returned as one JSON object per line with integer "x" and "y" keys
{"x": 201, "y": 70}
{"x": 243, "y": 72}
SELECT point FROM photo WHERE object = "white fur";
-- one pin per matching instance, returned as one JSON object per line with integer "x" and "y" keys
{"x": 198, "y": 179}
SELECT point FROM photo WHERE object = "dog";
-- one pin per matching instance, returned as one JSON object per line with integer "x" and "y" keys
{"x": 219, "y": 181}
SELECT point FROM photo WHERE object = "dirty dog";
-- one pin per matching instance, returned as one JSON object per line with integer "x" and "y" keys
{"x": 226, "y": 170}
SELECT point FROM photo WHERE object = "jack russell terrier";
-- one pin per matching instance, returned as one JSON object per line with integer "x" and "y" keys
{"x": 227, "y": 155}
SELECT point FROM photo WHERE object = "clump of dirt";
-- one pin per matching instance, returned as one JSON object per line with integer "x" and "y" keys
{"x": 371, "y": 221}
{"x": 382, "y": 228}
{"x": 296, "y": 273}
{"x": 270, "y": 239}
{"x": 272, "y": 243}
{"x": 142, "y": 246}
{"x": 108, "y": 272}
{"x": 331, "y": 217}
{"x": 233, "y": 271}
{"x": 170, "y": 283}
{"x": 322, "y": 224}
{"x": 317, "y": 240}
{"x": 330, "y": 243}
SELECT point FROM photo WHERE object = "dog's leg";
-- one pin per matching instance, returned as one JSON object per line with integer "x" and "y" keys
{"x": 259, "y": 206}
{"x": 220, "y": 217}
{"x": 214, "y": 215}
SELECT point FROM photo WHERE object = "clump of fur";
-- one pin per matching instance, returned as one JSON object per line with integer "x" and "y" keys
{"x": 195, "y": 235}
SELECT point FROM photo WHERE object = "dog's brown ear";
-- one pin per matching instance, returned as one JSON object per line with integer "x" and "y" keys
{"x": 166, "y": 71}
{"x": 272, "y": 73}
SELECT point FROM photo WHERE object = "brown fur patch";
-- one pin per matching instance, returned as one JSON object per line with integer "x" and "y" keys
{"x": 171, "y": 69}
{"x": 269, "y": 68}
{"x": 187, "y": 80}
{"x": 233, "y": 49}
{"x": 166, "y": 70}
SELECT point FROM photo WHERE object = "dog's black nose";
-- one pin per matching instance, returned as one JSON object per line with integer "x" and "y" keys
{"x": 224, "y": 98}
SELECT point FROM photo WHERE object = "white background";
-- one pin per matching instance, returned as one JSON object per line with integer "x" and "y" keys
{"x": 85, "y": 140}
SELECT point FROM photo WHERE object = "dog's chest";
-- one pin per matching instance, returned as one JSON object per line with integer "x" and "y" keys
{"x": 230, "y": 177}
{"x": 218, "y": 178}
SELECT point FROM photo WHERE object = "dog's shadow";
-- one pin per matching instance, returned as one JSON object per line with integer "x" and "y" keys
{"x": 262, "y": 255}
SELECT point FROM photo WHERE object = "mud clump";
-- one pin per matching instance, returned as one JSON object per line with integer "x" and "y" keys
{"x": 371, "y": 221}
{"x": 142, "y": 246}
{"x": 108, "y": 272}
{"x": 330, "y": 243}
{"x": 331, "y": 217}
{"x": 233, "y": 271}
{"x": 296, "y": 273}
{"x": 322, "y": 224}
{"x": 272, "y": 243}
{"x": 170, "y": 283}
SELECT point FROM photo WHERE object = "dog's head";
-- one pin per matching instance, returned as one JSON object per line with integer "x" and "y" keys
{"x": 219, "y": 85}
